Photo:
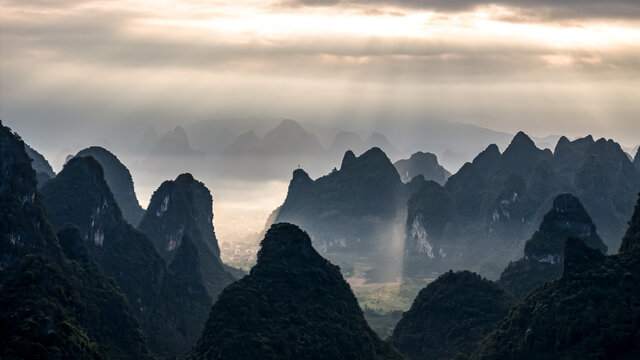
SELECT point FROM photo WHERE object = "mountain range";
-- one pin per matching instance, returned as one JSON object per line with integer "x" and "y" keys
{"x": 591, "y": 312}
{"x": 171, "y": 317}
{"x": 55, "y": 301}
{"x": 78, "y": 279}
{"x": 43, "y": 169}
{"x": 353, "y": 211}
{"x": 485, "y": 212}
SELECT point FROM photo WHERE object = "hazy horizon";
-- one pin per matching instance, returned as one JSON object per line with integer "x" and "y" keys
{"x": 80, "y": 73}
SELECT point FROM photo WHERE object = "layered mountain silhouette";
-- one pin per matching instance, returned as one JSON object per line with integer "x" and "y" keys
{"x": 289, "y": 137}
{"x": 171, "y": 315}
{"x": 591, "y": 312}
{"x": 174, "y": 144}
{"x": 293, "y": 305}
{"x": 172, "y": 151}
{"x": 120, "y": 182}
{"x": 55, "y": 301}
{"x": 209, "y": 136}
{"x": 352, "y": 209}
{"x": 244, "y": 143}
{"x": 493, "y": 204}
{"x": 425, "y": 164}
{"x": 543, "y": 253}
{"x": 148, "y": 140}
{"x": 183, "y": 208}
{"x": 345, "y": 141}
{"x": 380, "y": 141}
{"x": 450, "y": 316}
{"x": 43, "y": 169}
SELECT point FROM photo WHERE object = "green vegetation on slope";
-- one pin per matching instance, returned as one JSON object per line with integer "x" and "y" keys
{"x": 450, "y": 316}
{"x": 591, "y": 312}
{"x": 54, "y": 305}
{"x": 293, "y": 305}
{"x": 171, "y": 316}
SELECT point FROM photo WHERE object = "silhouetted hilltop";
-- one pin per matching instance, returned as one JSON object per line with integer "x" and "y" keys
{"x": 350, "y": 209}
{"x": 120, "y": 182}
{"x": 171, "y": 317}
{"x": 55, "y": 301}
{"x": 294, "y": 304}
{"x": 43, "y": 169}
{"x": 183, "y": 207}
{"x": 450, "y": 316}
{"x": 425, "y": 164}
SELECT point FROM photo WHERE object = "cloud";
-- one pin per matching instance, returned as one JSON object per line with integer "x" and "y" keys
{"x": 542, "y": 9}
{"x": 93, "y": 65}
{"x": 116, "y": 39}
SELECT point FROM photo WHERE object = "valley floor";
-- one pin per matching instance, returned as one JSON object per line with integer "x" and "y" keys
{"x": 383, "y": 302}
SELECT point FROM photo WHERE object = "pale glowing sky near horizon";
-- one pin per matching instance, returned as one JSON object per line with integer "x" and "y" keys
{"x": 91, "y": 69}
{"x": 571, "y": 67}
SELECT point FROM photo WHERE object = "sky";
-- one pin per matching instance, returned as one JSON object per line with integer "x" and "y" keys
{"x": 73, "y": 72}
{"x": 546, "y": 67}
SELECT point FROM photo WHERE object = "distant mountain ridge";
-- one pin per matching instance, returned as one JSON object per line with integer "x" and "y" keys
{"x": 493, "y": 204}
{"x": 425, "y": 164}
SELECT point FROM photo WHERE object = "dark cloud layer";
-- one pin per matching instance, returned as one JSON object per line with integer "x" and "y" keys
{"x": 542, "y": 9}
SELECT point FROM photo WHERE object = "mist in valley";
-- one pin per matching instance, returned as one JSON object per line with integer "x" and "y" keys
{"x": 319, "y": 179}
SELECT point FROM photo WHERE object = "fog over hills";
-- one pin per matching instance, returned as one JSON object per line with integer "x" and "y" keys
{"x": 392, "y": 227}
{"x": 233, "y": 158}
{"x": 319, "y": 179}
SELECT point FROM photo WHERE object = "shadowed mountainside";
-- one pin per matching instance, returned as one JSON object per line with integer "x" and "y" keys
{"x": 293, "y": 305}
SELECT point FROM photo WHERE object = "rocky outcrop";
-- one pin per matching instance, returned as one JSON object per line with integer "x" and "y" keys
{"x": 543, "y": 253}
{"x": 183, "y": 208}
{"x": 120, "y": 182}
{"x": 425, "y": 164}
